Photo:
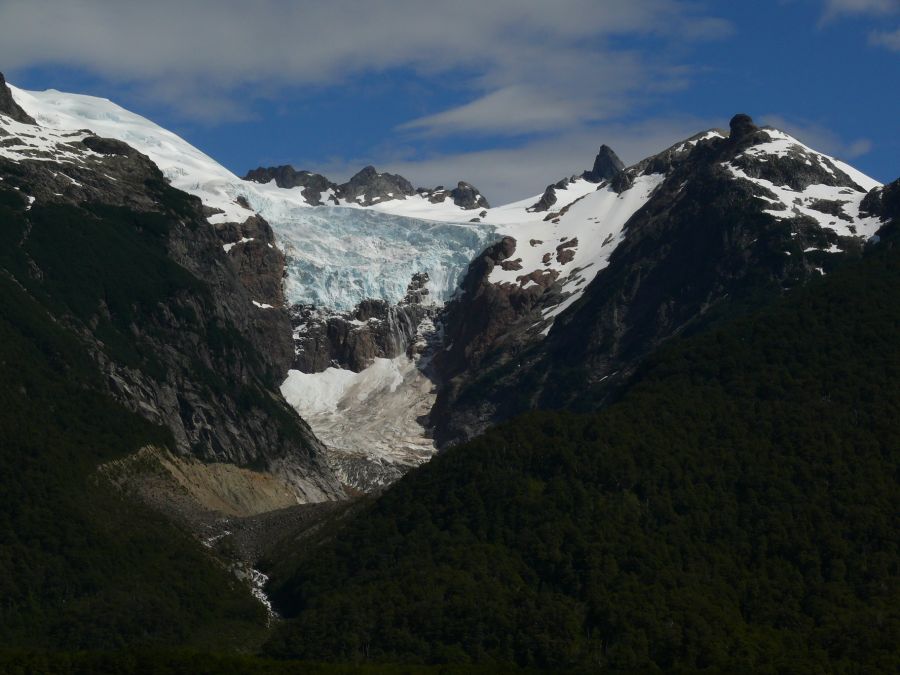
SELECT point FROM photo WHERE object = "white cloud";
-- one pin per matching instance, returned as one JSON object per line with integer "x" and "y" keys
{"x": 528, "y": 64}
{"x": 515, "y": 109}
{"x": 887, "y": 39}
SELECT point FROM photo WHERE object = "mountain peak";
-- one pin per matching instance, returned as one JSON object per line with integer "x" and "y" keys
{"x": 367, "y": 172}
{"x": 741, "y": 125}
{"x": 9, "y": 107}
{"x": 369, "y": 186}
{"x": 606, "y": 166}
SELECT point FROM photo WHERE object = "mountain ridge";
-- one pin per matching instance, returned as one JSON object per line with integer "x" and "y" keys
{"x": 365, "y": 188}
{"x": 184, "y": 328}
{"x": 513, "y": 321}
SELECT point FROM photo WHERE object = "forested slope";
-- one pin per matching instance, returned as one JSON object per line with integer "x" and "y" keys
{"x": 738, "y": 508}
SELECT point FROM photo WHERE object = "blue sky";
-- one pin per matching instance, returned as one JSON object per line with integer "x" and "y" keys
{"x": 508, "y": 94}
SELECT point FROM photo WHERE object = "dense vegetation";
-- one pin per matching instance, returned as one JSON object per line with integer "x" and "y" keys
{"x": 178, "y": 662}
{"x": 736, "y": 509}
{"x": 80, "y": 567}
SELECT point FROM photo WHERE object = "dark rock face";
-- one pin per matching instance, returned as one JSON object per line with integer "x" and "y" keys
{"x": 606, "y": 166}
{"x": 369, "y": 187}
{"x": 467, "y": 196}
{"x": 549, "y": 197}
{"x": 485, "y": 329}
{"x": 374, "y": 329}
{"x": 260, "y": 264}
{"x": 884, "y": 202}
{"x": 109, "y": 146}
{"x": 9, "y": 107}
{"x": 741, "y": 125}
{"x": 285, "y": 176}
{"x": 547, "y": 200}
{"x": 208, "y": 361}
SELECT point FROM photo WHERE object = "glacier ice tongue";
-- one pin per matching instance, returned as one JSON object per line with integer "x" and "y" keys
{"x": 339, "y": 256}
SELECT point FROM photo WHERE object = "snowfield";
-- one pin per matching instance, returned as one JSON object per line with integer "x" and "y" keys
{"x": 590, "y": 230}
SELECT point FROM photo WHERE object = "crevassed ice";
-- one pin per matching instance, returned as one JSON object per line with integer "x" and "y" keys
{"x": 338, "y": 256}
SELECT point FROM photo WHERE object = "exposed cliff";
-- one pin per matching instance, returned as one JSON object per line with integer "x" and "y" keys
{"x": 185, "y": 319}
{"x": 352, "y": 340}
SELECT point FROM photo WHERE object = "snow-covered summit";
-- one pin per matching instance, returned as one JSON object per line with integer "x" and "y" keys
{"x": 796, "y": 181}
{"x": 559, "y": 250}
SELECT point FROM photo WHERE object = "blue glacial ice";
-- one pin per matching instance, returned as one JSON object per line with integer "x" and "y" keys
{"x": 337, "y": 256}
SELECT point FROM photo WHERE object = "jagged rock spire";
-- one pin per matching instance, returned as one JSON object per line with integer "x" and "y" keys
{"x": 606, "y": 166}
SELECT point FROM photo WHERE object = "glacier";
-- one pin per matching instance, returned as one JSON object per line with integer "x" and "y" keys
{"x": 337, "y": 256}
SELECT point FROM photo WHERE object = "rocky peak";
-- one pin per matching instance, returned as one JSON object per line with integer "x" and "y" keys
{"x": 369, "y": 187}
{"x": 287, "y": 177}
{"x": 365, "y": 175}
{"x": 9, "y": 107}
{"x": 741, "y": 125}
{"x": 730, "y": 221}
{"x": 606, "y": 166}
{"x": 467, "y": 196}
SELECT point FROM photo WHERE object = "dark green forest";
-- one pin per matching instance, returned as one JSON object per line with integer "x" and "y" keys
{"x": 738, "y": 509}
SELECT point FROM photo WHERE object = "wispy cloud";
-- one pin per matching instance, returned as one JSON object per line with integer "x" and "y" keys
{"x": 888, "y": 39}
{"x": 834, "y": 9}
{"x": 880, "y": 9}
{"x": 527, "y": 64}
